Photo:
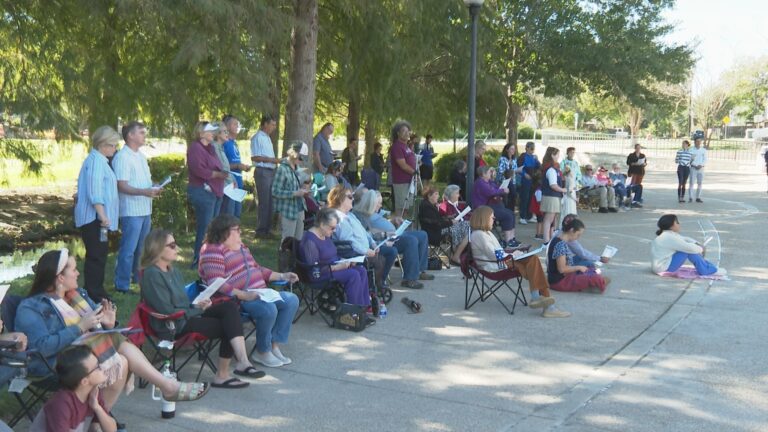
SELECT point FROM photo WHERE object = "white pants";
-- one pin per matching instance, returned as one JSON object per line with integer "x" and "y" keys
{"x": 698, "y": 175}
{"x": 292, "y": 228}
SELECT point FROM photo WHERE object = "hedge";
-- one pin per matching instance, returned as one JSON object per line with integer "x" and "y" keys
{"x": 170, "y": 209}
{"x": 444, "y": 162}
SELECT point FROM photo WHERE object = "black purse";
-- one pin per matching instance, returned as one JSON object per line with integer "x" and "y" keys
{"x": 350, "y": 317}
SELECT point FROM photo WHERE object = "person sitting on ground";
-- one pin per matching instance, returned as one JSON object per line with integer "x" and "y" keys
{"x": 316, "y": 246}
{"x": 162, "y": 288}
{"x": 57, "y": 312}
{"x": 79, "y": 404}
{"x": 458, "y": 177}
{"x": 486, "y": 193}
{"x": 593, "y": 188}
{"x": 413, "y": 244}
{"x": 582, "y": 256}
{"x": 484, "y": 246}
{"x": 670, "y": 250}
{"x": 562, "y": 272}
{"x": 225, "y": 256}
{"x": 437, "y": 224}
{"x": 619, "y": 182}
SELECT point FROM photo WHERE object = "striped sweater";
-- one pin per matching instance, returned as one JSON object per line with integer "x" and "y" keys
{"x": 216, "y": 260}
{"x": 683, "y": 157}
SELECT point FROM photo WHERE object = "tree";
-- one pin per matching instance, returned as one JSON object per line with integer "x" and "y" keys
{"x": 300, "y": 109}
{"x": 711, "y": 105}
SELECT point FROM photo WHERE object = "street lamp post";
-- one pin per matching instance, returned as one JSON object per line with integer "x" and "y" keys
{"x": 474, "y": 10}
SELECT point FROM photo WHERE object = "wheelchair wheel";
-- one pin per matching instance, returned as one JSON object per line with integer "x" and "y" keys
{"x": 329, "y": 299}
{"x": 386, "y": 295}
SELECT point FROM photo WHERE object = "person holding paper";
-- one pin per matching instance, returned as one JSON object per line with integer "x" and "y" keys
{"x": 57, "y": 312}
{"x": 670, "y": 250}
{"x": 162, "y": 288}
{"x": 403, "y": 165}
{"x": 637, "y": 163}
{"x": 232, "y": 124}
{"x": 316, "y": 246}
{"x": 582, "y": 256}
{"x": 225, "y": 256}
{"x": 288, "y": 192}
{"x": 219, "y": 138}
{"x": 437, "y": 224}
{"x": 619, "y": 181}
{"x": 263, "y": 158}
{"x": 698, "y": 160}
{"x": 562, "y": 272}
{"x": 593, "y": 188}
{"x": 508, "y": 171}
{"x": 484, "y": 246}
{"x": 488, "y": 194}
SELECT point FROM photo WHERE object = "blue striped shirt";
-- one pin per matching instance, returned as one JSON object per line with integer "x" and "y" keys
{"x": 131, "y": 166}
{"x": 96, "y": 184}
{"x": 683, "y": 157}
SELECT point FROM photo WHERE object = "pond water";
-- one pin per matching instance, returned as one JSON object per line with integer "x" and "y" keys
{"x": 19, "y": 263}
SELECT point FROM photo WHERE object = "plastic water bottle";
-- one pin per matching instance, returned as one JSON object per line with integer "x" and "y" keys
{"x": 103, "y": 234}
{"x": 168, "y": 410}
{"x": 382, "y": 309}
{"x": 316, "y": 271}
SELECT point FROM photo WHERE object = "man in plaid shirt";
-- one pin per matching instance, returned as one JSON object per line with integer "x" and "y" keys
{"x": 288, "y": 192}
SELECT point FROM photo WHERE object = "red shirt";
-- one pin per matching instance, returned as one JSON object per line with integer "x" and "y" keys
{"x": 65, "y": 412}
{"x": 400, "y": 150}
{"x": 202, "y": 161}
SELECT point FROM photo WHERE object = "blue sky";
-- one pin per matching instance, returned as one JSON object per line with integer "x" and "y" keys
{"x": 726, "y": 31}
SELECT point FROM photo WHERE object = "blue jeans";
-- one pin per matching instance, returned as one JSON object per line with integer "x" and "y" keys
{"x": 525, "y": 199}
{"x": 273, "y": 320}
{"x": 134, "y": 229}
{"x": 389, "y": 254}
{"x": 703, "y": 267}
{"x": 232, "y": 207}
{"x": 206, "y": 206}
{"x": 621, "y": 193}
{"x": 413, "y": 246}
{"x": 579, "y": 261}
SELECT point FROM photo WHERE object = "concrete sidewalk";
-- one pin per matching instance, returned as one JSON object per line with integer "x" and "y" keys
{"x": 651, "y": 354}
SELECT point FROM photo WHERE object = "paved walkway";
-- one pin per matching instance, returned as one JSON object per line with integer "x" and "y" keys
{"x": 650, "y": 354}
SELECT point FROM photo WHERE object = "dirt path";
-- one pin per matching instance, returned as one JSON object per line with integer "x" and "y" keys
{"x": 34, "y": 215}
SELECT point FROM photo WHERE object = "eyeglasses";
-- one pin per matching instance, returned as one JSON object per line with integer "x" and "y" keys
{"x": 331, "y": 227}
{"x": 589, "y": 169}
{"x": 93, "y": 370}
{"x": 171, "y": 245}
{"x": 235, "y": 228}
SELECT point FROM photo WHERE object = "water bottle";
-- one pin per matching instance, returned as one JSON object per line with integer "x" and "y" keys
{"x": 169, "y": 408}
{"x": 382, "y": 309}
{"x": 103, "y": 234}
{"x": 500, "y": 259}
{"x": 316, "y": 271}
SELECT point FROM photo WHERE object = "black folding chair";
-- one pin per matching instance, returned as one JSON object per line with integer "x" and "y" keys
{"x": 480, "y": 285}
{"x": 442, "y": 250}
{"x": 344, "y": 250}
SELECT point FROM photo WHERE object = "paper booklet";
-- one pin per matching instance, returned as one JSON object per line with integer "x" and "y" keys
{"x": 90, "y": 334}
{"x": 463, "y": 213}
{"x": 706, "y": 242}
{"x": 505, "y": 183}
{"x": 210, "y": 290}
{"x": 165, "y": 182}
{"x": 529, "y": 253}
{"x": 234, "y": 193}
{"x": 267, "y": 294}
{"x": 3, "y": 291}
{"x": 641, "y": 161}
{"x": 609, "y": 251}
{"x": 357, "y": 259}
{"x": 401, "y": 229}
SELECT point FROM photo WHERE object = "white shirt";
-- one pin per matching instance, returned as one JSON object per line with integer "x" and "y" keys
{"x": 261, "y": 145}
{"x": 699, "y": 156}
{"x": 131, "y": 166}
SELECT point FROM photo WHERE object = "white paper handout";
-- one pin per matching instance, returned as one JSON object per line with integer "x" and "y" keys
{"x": 505, "y": 183}
{"x": 93, "y": 333}
{"x": 463, "y": 213}
{"x": 401, "y": 229}
{"x": 609, "y": 252}
{"x": 641, "y": 161}
{"x": 234, "y": 193}
{"x": 267, "y": 294}
{"x": 706, "y": 242}
{"x": 530, "y": 253}
{"x": 165, "y": 182}
{"x": 3, "y": 291}
{"x": 210, "y": 290}
{"x": 357, "y": 259}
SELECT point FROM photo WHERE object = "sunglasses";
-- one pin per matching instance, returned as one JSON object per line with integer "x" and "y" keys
{"x": 171, "y": 245}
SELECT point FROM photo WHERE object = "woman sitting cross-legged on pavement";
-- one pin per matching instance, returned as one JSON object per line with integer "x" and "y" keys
{"x": 162, "y": 288}
{"x": 670, "y": 250}
{"x": 562, "y": 273}
{"x": 225, "y": 256}
{"x": 316, "y": 246}
{"x": 484, "y": 246}
{"x": 57, "y": 312}
{"x": 582, "y": 256}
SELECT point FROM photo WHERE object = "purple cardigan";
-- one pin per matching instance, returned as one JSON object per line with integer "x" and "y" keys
{"x": 483, "y": 191}
{"x": 202, "y": 161}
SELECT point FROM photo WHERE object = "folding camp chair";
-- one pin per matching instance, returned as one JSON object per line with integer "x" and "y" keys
{"x": 344, "y": 250}
{"x": 480, "y": 285}
{"x": 443, "y": 250}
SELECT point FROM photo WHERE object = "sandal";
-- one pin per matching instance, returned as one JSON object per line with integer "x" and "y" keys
{"x": 232, "y": 383}
{"x": 414, "y": 306}
{"x": 189, "y": 392}
{"x": 250, "y": 372}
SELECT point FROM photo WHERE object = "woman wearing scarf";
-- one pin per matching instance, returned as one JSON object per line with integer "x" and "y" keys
{"x": 57, "y": 313}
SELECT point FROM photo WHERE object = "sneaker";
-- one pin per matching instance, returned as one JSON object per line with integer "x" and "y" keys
{"x": 721, "y": 272}
{"x": 602, "y": 210}
{"x": 426, "y": 276}
{"x": 539, "y": 237}
{"x": 541, "y": 302}
{"x": 277, "y": 353}
{"x": 532, "y": 219}
{"x": 613, "y": 209}
{"x": 637, "y": 205}
{"x": 690, "y": 199}
{"x": 698, "y": 200}
{"x": 554, "y": 312}
{"x": 267, "y": 359}
{"x": 523, "y": 222}
{"x": 512, "y": 244}
{"x": 369, "y": 322}
{"x": 411, "y": 284}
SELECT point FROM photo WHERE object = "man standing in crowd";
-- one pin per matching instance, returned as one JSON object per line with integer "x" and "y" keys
{"x": 698, "y": 160}
{"x": 263, "y": 154}
{"x": 321, "y": 147}
{"x": 135, "y": 193}
{"x": 232, "y": 124}
{"x": 636, "y": 162}
{"x": 571, "y": 163}
{"x": 350, "y": 157}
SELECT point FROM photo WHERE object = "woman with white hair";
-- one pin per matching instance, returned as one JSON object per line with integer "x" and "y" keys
{"x": 220, "y": 136}
{"x": 289, "y": 191}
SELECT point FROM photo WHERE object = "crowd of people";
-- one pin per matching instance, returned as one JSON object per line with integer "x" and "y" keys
{"x": 95, "y": 371}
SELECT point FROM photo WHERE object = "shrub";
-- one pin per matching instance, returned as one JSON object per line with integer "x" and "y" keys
{"x": 524, "y": 132}
{"x": 444, "y": 162}
{"x": 170, "y": 209}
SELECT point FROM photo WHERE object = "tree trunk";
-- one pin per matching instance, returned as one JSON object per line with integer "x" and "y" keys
{"x": 512, "y": 117}
{"x": 353, "y": 118}
{"x": 635, "y": 121}
{"x": 370, "y": 140}
{"x": 300, "y": 108}
{"x": 274, "y": 92}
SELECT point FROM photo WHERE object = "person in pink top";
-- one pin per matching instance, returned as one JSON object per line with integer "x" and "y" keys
{"x": 225, "y": 256}
{"x": 403, "y": 164}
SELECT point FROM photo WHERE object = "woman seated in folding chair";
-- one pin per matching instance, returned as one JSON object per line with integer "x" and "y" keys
{"x": 15, "y": 342}
{"x": 413, "y": 244}
{"x": 484, "y": 245}
{"x": 562, "y": 273}
{"x": 225, "y": 256}
{"x": 316, "y": 246}
{"x": 449, "y": 209}
{"x": 162, "y": 288}
{"x": 57, "y": 312}
{"x": 486, "y": 193}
